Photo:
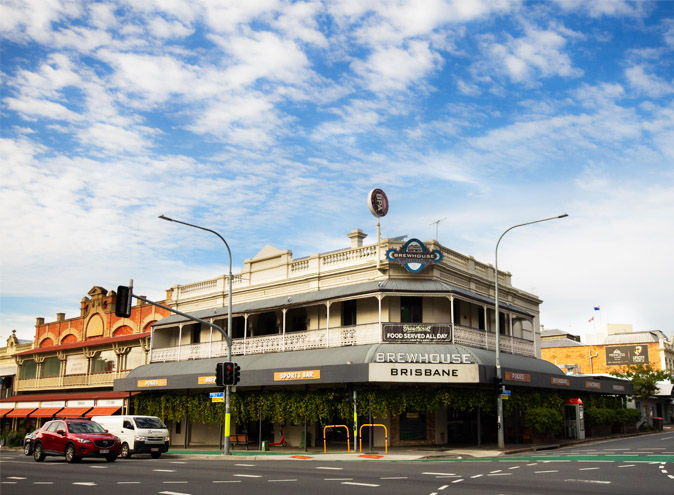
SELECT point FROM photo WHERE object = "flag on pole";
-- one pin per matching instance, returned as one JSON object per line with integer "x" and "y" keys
{"x": 590, "y": 320}
{"x": 596, "y": 308}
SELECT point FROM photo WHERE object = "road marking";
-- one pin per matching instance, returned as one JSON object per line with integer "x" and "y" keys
{"x": 178, "y": 462}
{"x": 247, "y": 475}
{"x": 164, "y": 470}
{"x": 515, "y": 467}
{"x": 85, "y": 483}
{"x": 173, "y": 493}
{"x": 337, "y": 479}
{"x": 439, "y": 474}
{"x": 227, "y": 481}
{"x": 457, "y": 481}
{"x": 626, "y": 465}
{"x": 98, "y": 467}
{"x": 8, "y": 482}
{"x": 174, "y": 482}
{"x": 443, "y": 487}
{"x": 393, "y": 478}
{"x": 588, "y": 469}
{"x": 128, "y": 482}
{"x": 16, "y": 478}
{"x": 330, "y": 468}
{"x": 358, "y": 484}
{"x": 245, "y": 465}
{"x": 43, "y": 482}
{"x": 596, "y": 482}
{"x": 500, "y": 474}
{"x": 278, "y": 481}
{"x": 497, "y": 471}
{"x": 477, "y": 476}
{"x": 550, "y": 471}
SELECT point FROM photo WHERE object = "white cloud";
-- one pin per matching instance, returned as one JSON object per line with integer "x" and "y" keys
{"x": 648, "y": 84}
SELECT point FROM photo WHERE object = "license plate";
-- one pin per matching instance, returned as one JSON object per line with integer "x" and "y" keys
{"x": 155, "y": 450}
{"x": 104, "y": 451}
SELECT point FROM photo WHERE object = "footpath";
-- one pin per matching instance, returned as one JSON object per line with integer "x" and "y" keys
{"x": 420, "y": 453}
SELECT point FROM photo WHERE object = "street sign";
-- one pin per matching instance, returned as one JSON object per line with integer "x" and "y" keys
{"x": 218, "y": 399}
{"x": 216, "y": 395}
{"x": 505, "y": 394}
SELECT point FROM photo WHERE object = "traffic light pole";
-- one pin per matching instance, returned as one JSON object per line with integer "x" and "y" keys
{"x": 228, "y": 339}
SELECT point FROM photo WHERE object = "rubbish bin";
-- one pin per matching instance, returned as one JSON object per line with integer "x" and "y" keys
{"x": 265, "y": 446}
{"x": 658, "y": 423}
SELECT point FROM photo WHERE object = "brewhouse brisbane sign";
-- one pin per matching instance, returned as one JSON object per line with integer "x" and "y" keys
{"x": 414, "y": 256}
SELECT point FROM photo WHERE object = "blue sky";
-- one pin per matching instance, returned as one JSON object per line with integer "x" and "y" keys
{"x": 269, "y": 121}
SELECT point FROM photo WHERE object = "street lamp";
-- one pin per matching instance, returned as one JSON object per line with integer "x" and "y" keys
{"x": 501, "y": 442}
{"x": 229, "y": 327}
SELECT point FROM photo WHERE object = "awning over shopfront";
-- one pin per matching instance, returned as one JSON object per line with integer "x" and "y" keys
{"x": 45, "y": 412}
{"x": 405, "y": 364}
{"x": 4, "y": 412}
{"x": 103, "y": 411}
{"x": 20, "y": 413}
{"x": 73, "y": 412}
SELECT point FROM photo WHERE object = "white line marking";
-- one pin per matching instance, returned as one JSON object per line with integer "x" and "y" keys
{"x": 178, "y": 462}
{"x": 443, "y": 487}
{"x": 16, "y": 478}
{"x": 85, "y": 483}
{"x": 477, "y": 476}
{"x": 173, "y": 493}
{"x": 245, "y": 465}
{"x": 128, "y": 482}
{"x": 550, "y": 471}
{"x": 597, "y": 482}
{"x": 98, "y": 467}
{"x": 227, "y": 481}
{"x": 247, "y": 475}
{"x": 330, "y": 468}
{"x": 175, "y": 482}
{"x": 43, "y": 482}
{"x": 278, "y": 481}
{"x": 439, "y": 474}
{"x": 626, "y": 465}
{"x": 457, "y": 481}
{"x": 164, "y": 470}
{"x": 393, "y": 478}
{"x": 358, "y": 484}
{"x": 497, "y": 471}
{"x": 515, "y": 467}
{"x": 500, "y": 474}
{"x": 337, "y": 479}
{"x": 670, "y": 477}
{"x": 588, "y": 469}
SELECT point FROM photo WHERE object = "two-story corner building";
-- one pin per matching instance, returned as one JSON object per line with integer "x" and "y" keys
{"x": 401, "y": 315}
{"x": 70, "y": 368}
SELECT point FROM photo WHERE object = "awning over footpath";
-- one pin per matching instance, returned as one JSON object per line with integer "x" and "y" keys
{"x": 73, "y": 412}
{"x": 45, "y": 412}
{"x": 403, "y": 364}
{"x": 20, "y": 413}
{"x": 102, "y": 411}
{"x": 4, "y": 411}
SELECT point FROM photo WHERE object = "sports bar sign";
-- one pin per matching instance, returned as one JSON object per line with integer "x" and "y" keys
{"x": 626, "y": 355}
{"x": 416, "y": 332}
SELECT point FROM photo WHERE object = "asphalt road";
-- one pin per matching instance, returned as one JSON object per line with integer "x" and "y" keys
{"x": 625, "y": 466}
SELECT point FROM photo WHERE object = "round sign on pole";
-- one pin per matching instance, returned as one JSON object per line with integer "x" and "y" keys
{"x": 378, "y": 202}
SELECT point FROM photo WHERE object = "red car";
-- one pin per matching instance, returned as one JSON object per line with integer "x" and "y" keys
{"x": 75, "y": 439}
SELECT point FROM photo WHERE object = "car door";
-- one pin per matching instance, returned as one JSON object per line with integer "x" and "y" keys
{"x": 58, "y": 437}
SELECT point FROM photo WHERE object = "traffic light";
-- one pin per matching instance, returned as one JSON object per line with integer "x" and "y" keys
{"x": 498, "y": 385}
{"x": 237, "y": 374}
{"x": 123, "y": 302}
{"x": 229, "y": 373}
{"x": 220, "y": 374}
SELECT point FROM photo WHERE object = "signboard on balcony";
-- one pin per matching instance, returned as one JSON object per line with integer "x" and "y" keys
{"x": 414, "y": 256}
{"x": 625, "y": 355}
{"x": 416, "y": 332}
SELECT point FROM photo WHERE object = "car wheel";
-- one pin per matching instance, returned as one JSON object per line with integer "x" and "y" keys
{"x": 70, "y": 453}
{"x": 38, "y": 454}
{"x": 155, "y": 455}
{"x": 125, "y": 452}
{"x": 27, "y": 450}
{"x": 111, "y": 458}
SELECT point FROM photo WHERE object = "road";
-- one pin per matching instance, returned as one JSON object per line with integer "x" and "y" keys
{"x": 626, "y": 466}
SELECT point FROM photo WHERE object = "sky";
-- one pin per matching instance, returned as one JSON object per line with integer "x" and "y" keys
{"x": 269, "y": 121}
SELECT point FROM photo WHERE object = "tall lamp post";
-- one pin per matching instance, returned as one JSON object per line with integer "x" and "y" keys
{"x": 499, "y": 377}
{"x": 229, "y": 327}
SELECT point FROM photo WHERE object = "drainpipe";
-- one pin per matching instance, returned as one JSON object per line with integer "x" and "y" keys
{"x": 589, "y": 353}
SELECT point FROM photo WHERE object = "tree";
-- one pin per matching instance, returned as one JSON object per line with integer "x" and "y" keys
{"x": 644, "y": 382}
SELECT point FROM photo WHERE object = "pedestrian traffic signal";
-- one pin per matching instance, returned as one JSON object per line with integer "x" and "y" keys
{"x": 227, "y": 374}
{"x": 123, "y": 302}
{"x": 220, "y": 374}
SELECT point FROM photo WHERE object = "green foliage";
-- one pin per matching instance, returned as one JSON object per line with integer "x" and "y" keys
{"x": 600, "y": 416}
{"x": 12, "y": 438}
{"x": 627, "y": 416}
{"x": 644, "y": 379}
{"x": 543, "y": 420}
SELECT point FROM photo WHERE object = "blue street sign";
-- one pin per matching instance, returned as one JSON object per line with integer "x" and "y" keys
{"x": 216, "y": 395}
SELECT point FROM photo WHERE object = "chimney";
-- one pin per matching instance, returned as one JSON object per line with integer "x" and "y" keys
{"x": 356, "y": 236}
{"x": 39, "y": 321}
{"x": 60, "y": 317}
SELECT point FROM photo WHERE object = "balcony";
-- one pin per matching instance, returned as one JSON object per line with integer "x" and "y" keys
{"x": 68, "y": 382}
{"x": 334, "y": 337}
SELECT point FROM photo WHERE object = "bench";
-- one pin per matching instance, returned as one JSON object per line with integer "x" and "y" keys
{"x": 239, "y": 439}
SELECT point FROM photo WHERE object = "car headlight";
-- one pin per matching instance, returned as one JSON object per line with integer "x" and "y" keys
{"x": 140, "y": 439}
{"x": 83, "y": 440}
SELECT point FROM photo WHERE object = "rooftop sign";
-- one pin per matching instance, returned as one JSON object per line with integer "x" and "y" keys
{"x": 378, "y": 203}
{"x": 414, "y": 256}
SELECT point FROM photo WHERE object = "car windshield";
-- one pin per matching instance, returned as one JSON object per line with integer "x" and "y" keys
{"x": 150, "y": 423}
{"x": 85, "y": 427}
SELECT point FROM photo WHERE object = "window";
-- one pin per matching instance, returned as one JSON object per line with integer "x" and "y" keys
{"x": 76, "y": 364}
{"x": 104, "y": 362}
{"x": 349, "y": 313}
{"x": 196, "y": 334}
{"x": 410, "y": 309}
{"x": 28, "y": 369}
{"x": 135, "y": 358}
{"x": 50, "y": 367}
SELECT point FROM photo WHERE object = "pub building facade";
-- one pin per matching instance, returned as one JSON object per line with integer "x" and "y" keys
{"x": 391, "y": 315}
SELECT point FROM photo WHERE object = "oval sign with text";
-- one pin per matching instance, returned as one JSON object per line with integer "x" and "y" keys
{"x": 378, "y": 202}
